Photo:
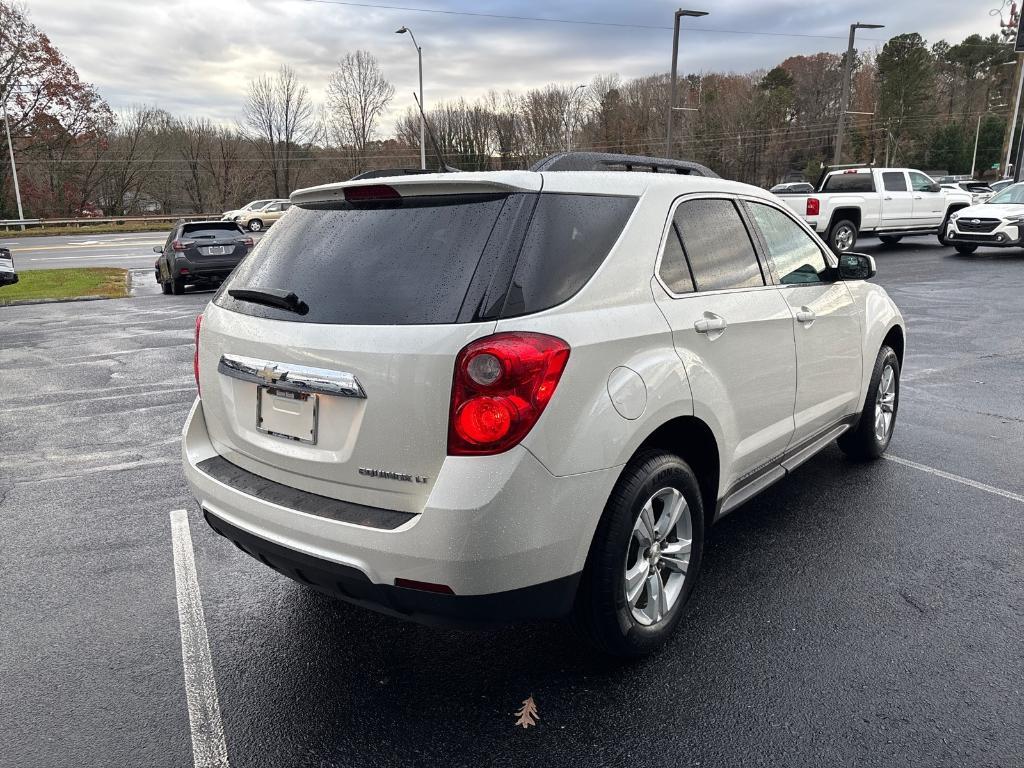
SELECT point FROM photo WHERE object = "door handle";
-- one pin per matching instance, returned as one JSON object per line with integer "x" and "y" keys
{"x": 710, "y": 324}
{"x": 887, "y": 197}
{"x": 805, "y": 315}
{"x": 919, "y": 197}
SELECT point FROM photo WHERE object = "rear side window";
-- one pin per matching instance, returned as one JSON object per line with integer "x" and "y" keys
{"x": 210, "y": 231}
{"x": 717, "y": 245}
{"x": 894, "y": 181}
{"x": 849, "y": 182}
{"x": 568, "y": 239}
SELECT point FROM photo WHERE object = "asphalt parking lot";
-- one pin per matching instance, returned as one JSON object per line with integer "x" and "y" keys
{"x": 851, "y": 615}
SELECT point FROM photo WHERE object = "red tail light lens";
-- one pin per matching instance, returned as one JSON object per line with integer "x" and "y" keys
{"x": 181, "y": 245}
{"x": 195, "y": 354}
{"x": 813, "y": 206}
{"x": 501, "y": 387}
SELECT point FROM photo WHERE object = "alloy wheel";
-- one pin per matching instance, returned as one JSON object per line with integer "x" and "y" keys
{"x": 658, "y": 556}
{"x": 885, "y": 403}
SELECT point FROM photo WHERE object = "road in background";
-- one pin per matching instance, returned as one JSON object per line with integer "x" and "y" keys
{"x": 853, "y": 614}
{"x": 128, "y": 251}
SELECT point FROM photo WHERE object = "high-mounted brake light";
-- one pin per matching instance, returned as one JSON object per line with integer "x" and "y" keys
{"x": 502, "y": 385}
{"x": 371, "y": 192}
{"x": 195, "y": 354}
{"x": 813, "y": 206}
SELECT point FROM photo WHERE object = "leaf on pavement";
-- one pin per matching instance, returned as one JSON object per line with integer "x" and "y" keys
{"x": 528, "y": 715}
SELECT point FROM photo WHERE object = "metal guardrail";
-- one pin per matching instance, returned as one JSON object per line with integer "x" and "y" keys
{"x": 9, "y": 224}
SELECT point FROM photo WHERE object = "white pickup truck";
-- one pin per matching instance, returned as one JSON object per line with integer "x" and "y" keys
{"x": 889, "y": 203}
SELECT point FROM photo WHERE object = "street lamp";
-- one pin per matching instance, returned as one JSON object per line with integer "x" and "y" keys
{"x": 423, "y": 109}
{"x": 568, "y": 108}
{"x": 675, "y": 55}
{"x": 14, "y": 167}
{"x": 844, "y": 101}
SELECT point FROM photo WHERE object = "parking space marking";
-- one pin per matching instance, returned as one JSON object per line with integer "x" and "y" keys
{"x": 957, "y": 478}
{"x": 208, "y": 747}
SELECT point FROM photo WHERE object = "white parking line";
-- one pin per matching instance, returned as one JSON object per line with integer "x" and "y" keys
{"x": 208, "y": 747}
{"x": 957, "y": 479}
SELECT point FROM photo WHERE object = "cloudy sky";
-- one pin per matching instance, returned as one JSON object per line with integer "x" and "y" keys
{"x": 196, "y": 56}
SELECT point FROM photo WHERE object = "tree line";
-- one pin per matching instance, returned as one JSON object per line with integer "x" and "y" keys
{"x": 911, "y": 104}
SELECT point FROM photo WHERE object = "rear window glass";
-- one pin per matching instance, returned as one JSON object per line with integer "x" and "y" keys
{"x": 430, "y": 259}
{"x": 210, "y": 231}
{"x": 849, "y": 182}
{"x": 568, "y": 239}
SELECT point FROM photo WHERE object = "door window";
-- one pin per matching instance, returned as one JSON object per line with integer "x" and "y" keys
{"x": 920, "y": 182}
{"x": 795, "y": 255}
{"x": 894, "y": 181}
{"x": 717, "y": 246}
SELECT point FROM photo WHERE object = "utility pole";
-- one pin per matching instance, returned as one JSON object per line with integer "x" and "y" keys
{"x": 1018, "y": 83}
{"x": 675, "y": 57}
{"x": 423, "y": 109}
{"x": 14, "y": 167}
{"x": 844, "y": 100}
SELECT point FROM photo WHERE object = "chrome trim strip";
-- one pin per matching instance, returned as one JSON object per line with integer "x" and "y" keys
{"x": 291, "y": 378}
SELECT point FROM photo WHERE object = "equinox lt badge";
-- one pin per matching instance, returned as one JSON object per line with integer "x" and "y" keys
{"x": 386, "y": 475}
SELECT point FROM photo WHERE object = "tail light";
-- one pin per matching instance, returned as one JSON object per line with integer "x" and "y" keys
{"x": 501, "y": 386}
{"x": 195, "y": 354}
{"x": 181, "y": 245}
{"x": 370, "y": 193}
{"x": 813, "y": 206}
{"x": 247, "y": 242}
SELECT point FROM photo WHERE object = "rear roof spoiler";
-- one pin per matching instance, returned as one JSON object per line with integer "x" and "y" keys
{"x": 602, "y": 161}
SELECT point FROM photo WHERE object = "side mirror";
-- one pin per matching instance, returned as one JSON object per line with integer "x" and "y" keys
{"x": 158, "y": 249}
{"x": 856, "y": 266}
{"x": 935, "y": 187}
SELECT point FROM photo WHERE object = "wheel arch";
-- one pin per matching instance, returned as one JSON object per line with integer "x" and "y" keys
{"x": 895, "y": 339}
{"x": 852, "y": 214}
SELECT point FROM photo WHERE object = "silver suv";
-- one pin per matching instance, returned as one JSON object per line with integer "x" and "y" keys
{"x": 508, "y": 395}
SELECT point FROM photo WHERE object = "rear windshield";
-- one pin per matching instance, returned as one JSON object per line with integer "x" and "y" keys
{"x": 849, "y": 182}
{"x": 210, "y": 231}
{"x": 430, "y": 259}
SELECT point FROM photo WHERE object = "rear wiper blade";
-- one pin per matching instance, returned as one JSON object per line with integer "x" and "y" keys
{"x": 271, "y": 297}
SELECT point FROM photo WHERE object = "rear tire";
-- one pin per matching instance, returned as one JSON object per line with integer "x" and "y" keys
{"x": 177, "y": 286}
{"x": 255, "y": 225}
{"x": 890, "y": 239}
{"x": 842, "y": 237}
{"x": 627, "y": 561}
{"x": 166, "y": 288}
{"x": 966, "y": 250}
{"x": 868, "y": 438}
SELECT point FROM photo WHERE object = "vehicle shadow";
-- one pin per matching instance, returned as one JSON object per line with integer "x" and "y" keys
{"x": 361, "y": 688}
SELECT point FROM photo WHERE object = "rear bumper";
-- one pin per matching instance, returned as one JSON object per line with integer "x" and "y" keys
{"x": 199, "y": 271}
{"x": 504, "y": 535}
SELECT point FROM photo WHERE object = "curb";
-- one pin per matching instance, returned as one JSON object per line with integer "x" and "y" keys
{"x": 24, "y": 302}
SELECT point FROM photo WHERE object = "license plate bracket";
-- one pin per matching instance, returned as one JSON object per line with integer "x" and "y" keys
{"x": 215, "y": 250}
{"x": 286, "y": 414}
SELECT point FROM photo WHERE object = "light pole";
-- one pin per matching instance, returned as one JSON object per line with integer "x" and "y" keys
{"x": 14, "y": 167}
{"x": 844, "y": 101}
{"x": 568, "y": 108}
{"x": 423, "y": 109}
{"x": 675, "y": 55}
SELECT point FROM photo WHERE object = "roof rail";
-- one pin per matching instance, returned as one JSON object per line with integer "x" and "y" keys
{"x": 603, "y": 161}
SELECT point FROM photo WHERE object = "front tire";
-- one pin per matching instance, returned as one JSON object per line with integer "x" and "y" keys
{"x": 842, "y": 237}
{"x": 645, "y": 557}
{"x": 966, "y": 250}
{"x": 870, "y": 436}
{"x": 890, "y": 239}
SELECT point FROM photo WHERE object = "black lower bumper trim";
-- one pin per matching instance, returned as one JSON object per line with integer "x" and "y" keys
{"x": 251, "y": 484}
{"x": 552, "y": 599}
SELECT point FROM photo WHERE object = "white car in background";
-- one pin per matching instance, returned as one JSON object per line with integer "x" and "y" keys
{"x": 998, "y": 222}
{"x": 528, "y": 394}
{"x": 8, "y": 275}
{"x": 255, "y": 205}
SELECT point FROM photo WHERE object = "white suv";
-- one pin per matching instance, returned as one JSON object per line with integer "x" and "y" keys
{"x": 510, "y": 395}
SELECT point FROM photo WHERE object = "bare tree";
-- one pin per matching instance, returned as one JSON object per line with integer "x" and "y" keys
{"x": 283, "y": 124}
{"x": 357, "y": 94}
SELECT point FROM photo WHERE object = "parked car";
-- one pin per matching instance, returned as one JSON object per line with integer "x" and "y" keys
{"x": 891, "y": 203}
{"x": 978, "y": 190}
{"x": 260, "y": 219}
{"x": 998, "y": 186}
{"x": 792, "y": 188}
{"x": 998, "y": 222}
{"x": 200, "y": 253}
{"x": 509, "y": 395}
{"x": 8, "y": 275}
{"x": 255, "y": 205}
